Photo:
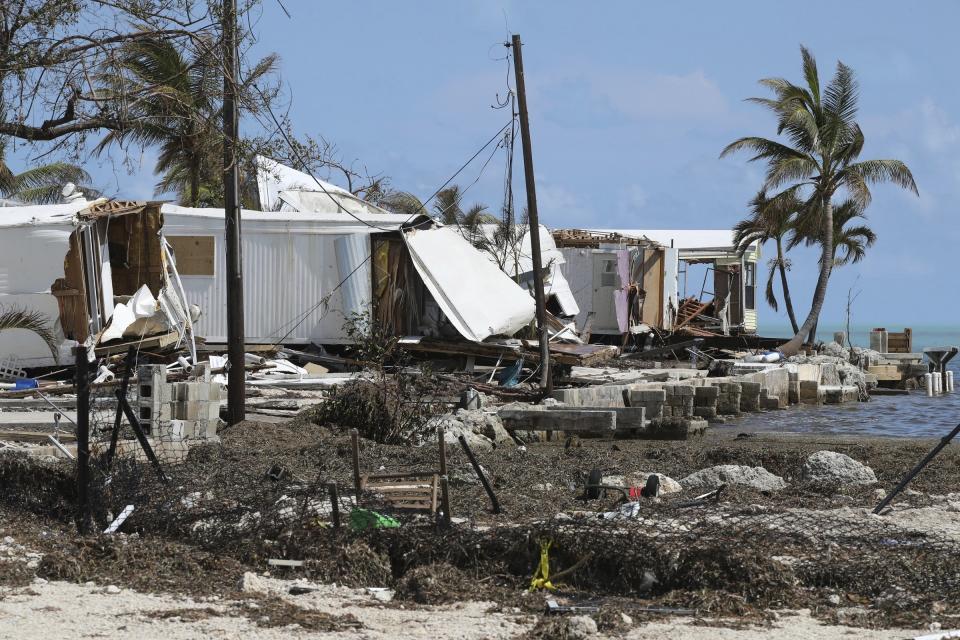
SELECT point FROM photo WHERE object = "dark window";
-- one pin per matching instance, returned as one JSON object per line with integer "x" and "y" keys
{"x": 750, "y": 285}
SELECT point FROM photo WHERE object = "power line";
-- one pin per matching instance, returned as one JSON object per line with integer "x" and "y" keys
{"x": 303, "y": 316}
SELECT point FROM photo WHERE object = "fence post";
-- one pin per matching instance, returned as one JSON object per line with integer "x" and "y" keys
{"x": 334, "y": 504}
{"x": 82, "y": 381}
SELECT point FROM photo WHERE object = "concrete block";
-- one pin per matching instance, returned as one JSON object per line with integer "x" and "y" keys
{"x": 809, "y": 392}
{"x": 707, "y": 393}
{"x": 794, "y": 392}
{"x": 770, "y": 404}
{"x": 708, "y": 413}
{"x": 750, "y": 396}
{"x": 675, "y": 429}
{"x": 641, "y": 396}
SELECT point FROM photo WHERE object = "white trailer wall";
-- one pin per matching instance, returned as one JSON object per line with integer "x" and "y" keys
{"x": 290, "y": 264}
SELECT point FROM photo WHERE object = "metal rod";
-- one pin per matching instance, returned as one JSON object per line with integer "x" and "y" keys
{"x": 334, "y": 504}
{"x": 82, "y": 382}
{"x": 142, "y": 438}
{"x": 917, "y": 469}
{"x": 62, "y": 448}
{"x": 546, "y": 380}
{"x": 50, "y": 402}
{"x": 236, "y": 377}
{"x": 483, "y": 478}
{"x": 121, "y": 393}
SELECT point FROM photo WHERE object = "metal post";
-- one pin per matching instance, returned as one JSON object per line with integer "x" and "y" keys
{"x": 236, "y": 392}
{"x": 82, "y": 382}
{"x": 917, "y": 469}
{"x": 546, "y": 380}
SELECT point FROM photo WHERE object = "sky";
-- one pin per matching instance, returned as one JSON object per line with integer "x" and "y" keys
{"x": 630, "y": 106}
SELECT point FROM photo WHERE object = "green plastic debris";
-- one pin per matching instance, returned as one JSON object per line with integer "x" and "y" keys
{"x": 361, "y": 519}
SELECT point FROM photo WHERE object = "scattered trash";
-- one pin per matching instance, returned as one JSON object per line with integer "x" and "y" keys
{"x": 554, "y": 608}
{"x": 280, "y": 562}
{"x": 120, "y": 519}
{"x": 361, "y": 519}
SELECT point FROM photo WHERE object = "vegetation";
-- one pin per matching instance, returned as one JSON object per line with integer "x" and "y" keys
{"x": 818, "y": 159}
{"x": 770, "y": 220}
{"x": 32, "y": 321}
{"x": 179, "y": 113}
{"x": 42, "y": 184}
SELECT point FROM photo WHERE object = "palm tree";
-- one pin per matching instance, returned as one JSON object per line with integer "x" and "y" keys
{"x": 447, "y": 210}
{"x": 850, "y": 244}
{"x": 818, "y": 159}
{"x": 32, "y": 321}
{"x": 770, "y": 220}
{"x": 175, "y": 105}
{"x": 40, "y": 185}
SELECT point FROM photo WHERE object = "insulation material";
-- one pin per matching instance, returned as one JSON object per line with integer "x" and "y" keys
{"x": 127, "y": 316}
{"x": 620, "y": 297}
{"x": 671, "y": 286}
{"x": 478, "y": 298}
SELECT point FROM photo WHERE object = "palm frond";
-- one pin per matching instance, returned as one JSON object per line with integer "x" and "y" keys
{"x": 877, "y": 171}
{"x": 810, "y": 73}
{"x": 32, "y": 321}
{"x": 769, "y": 292}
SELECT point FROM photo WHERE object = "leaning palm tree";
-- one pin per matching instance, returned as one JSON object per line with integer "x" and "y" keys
{"x": 175, "y": 105}
{"x": 42, "y": 184}
{"x": 818, "y": 159}
{"x": 32, "y": 321}
{"x": 770, "y": 220}
{"x": 850, "y": 244}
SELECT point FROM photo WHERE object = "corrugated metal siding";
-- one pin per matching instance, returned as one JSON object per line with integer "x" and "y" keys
{"x": 286, "y": 276}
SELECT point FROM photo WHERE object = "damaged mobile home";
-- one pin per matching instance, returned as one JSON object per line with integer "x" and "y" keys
{"x": 629, "y": 282}
{"x": 100, "y": 271}
{"x": 104, "y": 270}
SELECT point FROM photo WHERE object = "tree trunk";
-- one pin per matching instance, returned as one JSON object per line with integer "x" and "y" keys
{"x": 812, "y": 338}
{"x": 820, "y": 292}
{"x": 786, "y": 289}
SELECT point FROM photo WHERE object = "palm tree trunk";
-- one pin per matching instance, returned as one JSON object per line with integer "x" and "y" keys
{"x": 812, "y": 338}
{"x": 820, "y": 292}
{"x": 786, "y": 289}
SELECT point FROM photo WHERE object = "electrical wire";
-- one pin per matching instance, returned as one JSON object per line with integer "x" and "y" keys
{"x": 301, "y": 318}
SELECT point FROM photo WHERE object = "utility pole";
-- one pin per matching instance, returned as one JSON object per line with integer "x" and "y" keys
{"x": 546, "y": 380}
{"x": 236, "y": 382}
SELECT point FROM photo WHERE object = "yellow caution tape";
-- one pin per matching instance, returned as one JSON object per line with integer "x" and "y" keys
{"x": 541, "y": 577}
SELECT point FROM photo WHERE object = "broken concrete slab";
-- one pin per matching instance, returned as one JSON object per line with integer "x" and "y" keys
{"x": 627, "y": 417}
{"x": 574, "y": 420}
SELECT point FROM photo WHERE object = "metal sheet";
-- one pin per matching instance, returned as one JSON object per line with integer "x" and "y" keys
{"x": 353, "y": 264}
{"x": 479, "y": 299}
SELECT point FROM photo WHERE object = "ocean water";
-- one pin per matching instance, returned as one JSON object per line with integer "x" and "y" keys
{"x": 914, "y": 415}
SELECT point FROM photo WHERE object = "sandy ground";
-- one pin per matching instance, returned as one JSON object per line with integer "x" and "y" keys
{"x": 62, "y": 610}
{"x": 47, "y": 610}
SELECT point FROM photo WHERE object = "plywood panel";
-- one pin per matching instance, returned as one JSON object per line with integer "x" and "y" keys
{"x": 194, "y": 254}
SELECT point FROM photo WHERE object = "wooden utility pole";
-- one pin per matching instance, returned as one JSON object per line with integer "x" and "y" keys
{"x": 546, "y": 380}
{"x": 236, "y": 377}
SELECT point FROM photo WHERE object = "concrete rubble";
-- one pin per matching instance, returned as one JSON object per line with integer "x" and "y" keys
{"x": 754, "y": 477}
{"x": 836, "y": 468}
